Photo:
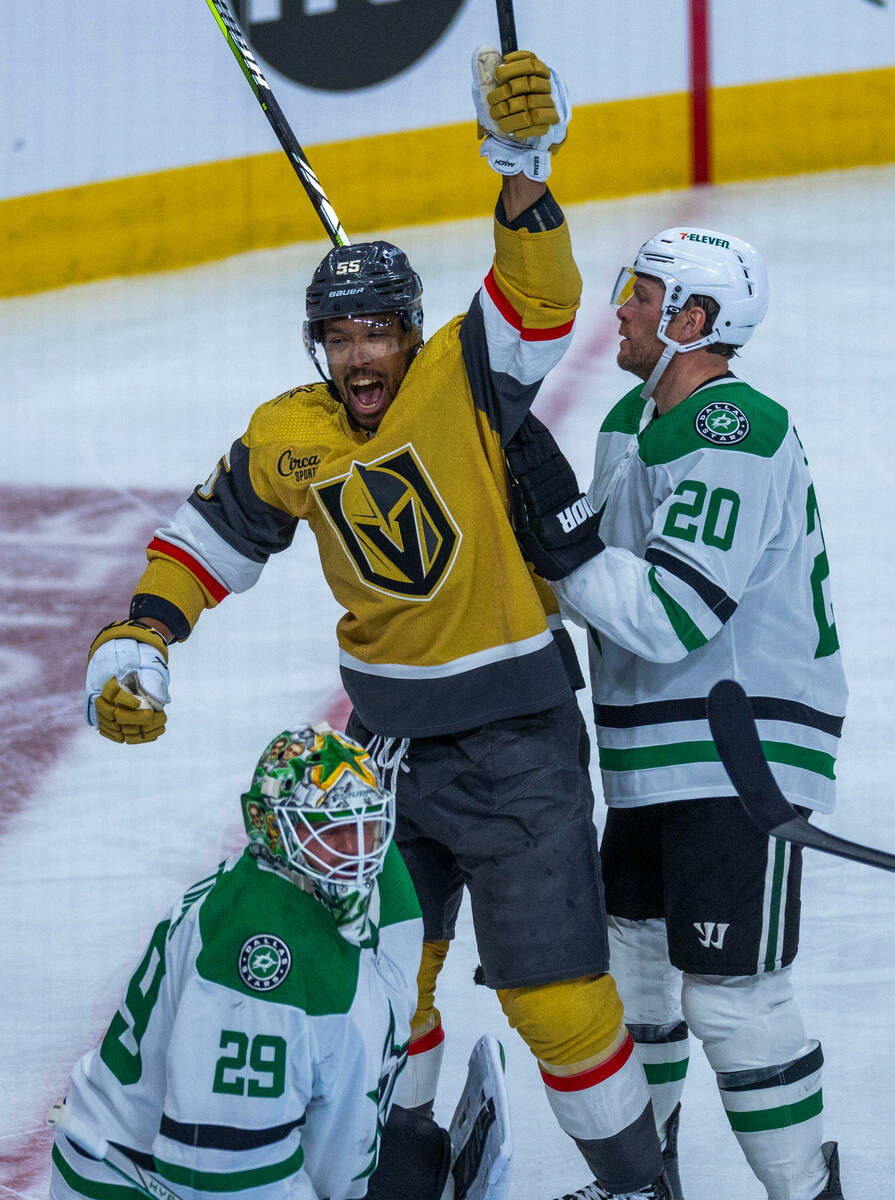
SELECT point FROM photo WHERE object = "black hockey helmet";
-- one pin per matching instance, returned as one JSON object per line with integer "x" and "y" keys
{"x": 360, "y": 280}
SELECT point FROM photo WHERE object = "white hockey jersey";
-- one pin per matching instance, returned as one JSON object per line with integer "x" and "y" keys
{"x": 714, "y": 568}
{"x": 256, "y": 1050}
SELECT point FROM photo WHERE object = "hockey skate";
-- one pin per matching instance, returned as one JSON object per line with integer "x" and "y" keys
{"x": 669, "y": 1155}
{"x": 481, "y": 1142}
{"x": 833, "y": 1190}
{"x": 659, "y": 1189}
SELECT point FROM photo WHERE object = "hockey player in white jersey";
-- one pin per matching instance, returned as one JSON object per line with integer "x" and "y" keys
{"x": 698, "y": 555}
{"x": 258, "y": 1044}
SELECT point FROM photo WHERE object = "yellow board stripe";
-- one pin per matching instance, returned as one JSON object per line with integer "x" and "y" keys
{"x": 792, "y": 126}
{"x": 176, "y": 218}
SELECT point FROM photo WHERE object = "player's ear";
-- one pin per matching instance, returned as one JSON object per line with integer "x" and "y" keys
{"x": 699, "y": 319}
{"x": 689, "y": 324}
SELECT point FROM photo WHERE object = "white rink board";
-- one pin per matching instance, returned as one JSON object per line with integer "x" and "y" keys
{"x": 103, "y": 90}
{"x": 788, "y": 39}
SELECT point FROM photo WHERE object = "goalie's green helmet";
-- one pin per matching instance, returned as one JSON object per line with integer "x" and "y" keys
{"x": 315, "y": 806}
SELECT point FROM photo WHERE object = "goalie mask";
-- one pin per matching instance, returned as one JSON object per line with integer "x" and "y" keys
{"x": 361, "y": 282}
{"x": 700, "y": 262}
{"x": 315, "y": 806}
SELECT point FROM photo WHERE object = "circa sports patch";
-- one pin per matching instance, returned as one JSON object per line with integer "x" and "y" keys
{"x": 722, "y": 423}
{"x": 264, "y": 962}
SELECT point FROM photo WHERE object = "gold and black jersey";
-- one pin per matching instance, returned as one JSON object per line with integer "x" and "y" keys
{"x": 445, "y": 627}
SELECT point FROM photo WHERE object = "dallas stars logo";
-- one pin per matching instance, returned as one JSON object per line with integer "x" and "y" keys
{"x": 264, "y": 962}
{"x": 393, "y": 1059}
{"x": 722, "y": 423}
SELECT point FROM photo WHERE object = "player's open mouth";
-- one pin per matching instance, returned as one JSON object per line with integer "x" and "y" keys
{"x": 367, "y": 391}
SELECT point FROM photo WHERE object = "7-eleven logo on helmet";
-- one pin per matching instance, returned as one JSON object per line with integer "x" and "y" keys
{"x": 706, "y": 238}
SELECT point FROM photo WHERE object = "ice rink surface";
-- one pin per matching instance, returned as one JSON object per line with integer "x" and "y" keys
{"x": 119, "y": 396}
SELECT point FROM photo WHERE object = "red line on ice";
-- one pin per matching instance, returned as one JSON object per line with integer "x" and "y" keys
{"x": 69, "y": 558}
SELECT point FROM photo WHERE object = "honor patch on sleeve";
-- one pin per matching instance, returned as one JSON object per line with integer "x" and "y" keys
{"x": 722, "y": 423}
{"x": 264, "y": 962}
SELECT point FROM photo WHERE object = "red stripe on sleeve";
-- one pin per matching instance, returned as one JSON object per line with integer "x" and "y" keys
{"x": 212, "y": 585}
{"x": 501, "y": 303}
{"x": 547, "y": 335}
{"x": 509, "y": 314}
{"x": 597, "y": 1074}
{"x": 428, "y": 1041}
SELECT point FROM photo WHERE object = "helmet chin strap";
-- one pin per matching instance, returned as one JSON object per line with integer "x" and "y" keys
{"x": 659, "y": 369}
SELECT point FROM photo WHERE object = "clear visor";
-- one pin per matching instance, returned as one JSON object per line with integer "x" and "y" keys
{"x": 359, "y": 339}
{"x": 624, "y": 287}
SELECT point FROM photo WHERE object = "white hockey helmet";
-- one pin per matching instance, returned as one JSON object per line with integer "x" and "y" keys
{"x": 703, "y": 262}
{"x": 700, "y": 262}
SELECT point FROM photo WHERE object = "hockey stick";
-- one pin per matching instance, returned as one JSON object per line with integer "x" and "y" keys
{"x": 735, "y": 734}
{"x": 506, "y": 23}
{"x": 278, "y": 123}
{"x": 61, "y": 1118}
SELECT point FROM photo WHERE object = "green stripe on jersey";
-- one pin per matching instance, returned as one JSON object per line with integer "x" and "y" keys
{"x": 90, "y": 1187}
{"x": 759, "y": 1120}
{"x": 639, "y": 758}
{"x": 800, "y": 756}
{"x": 230, "y": 1181}
{"x": 688, "y": 633}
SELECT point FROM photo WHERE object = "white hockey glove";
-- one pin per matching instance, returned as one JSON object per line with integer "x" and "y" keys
{"x": 127, "y": 683}
{"x": 523, "y": 111}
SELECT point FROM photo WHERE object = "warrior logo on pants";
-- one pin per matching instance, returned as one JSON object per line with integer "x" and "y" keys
{"x": 392, "y": 524}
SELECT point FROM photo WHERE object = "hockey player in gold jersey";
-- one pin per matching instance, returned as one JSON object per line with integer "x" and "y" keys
{"x": 451, "y": 650}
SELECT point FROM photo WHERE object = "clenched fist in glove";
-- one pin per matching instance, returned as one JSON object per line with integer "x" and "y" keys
{"x": 127, "y": 682}
{"x": 556, "y": 528}
{"x": 522, "y": 107}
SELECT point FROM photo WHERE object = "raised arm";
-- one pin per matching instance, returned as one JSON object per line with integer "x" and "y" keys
{"x": 519, "y": 324}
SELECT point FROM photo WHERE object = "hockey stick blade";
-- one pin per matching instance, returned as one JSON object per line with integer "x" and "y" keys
{"x": 506, "y": 23}
{"x": 61, "y": 1118}
{"x": 736, "y": 736}
{"x": 278, "y": 123}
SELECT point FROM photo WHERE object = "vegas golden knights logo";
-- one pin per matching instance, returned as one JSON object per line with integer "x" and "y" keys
{"x": 393, "y": 524}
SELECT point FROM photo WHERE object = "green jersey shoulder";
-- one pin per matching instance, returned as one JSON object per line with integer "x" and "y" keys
{"x": 262, "y": 936}
{"x": 728, "y": 415}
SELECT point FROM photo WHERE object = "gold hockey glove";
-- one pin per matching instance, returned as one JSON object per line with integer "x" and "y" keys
{"x": 522, "y": 105}
{"x": 523, "y": 111}
{"x": 127, "y": 683}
